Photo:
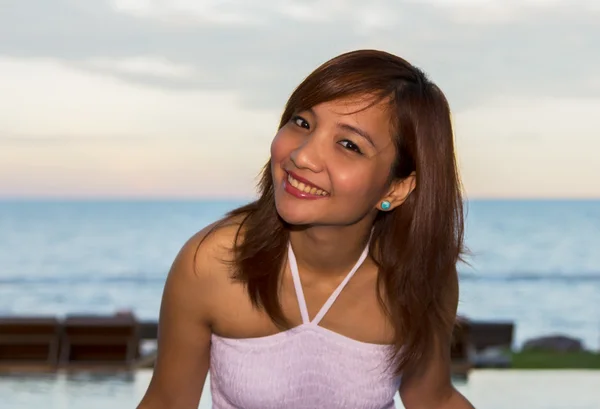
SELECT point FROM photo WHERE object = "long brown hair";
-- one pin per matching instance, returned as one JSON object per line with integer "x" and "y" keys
{"x": 417, "y": 245}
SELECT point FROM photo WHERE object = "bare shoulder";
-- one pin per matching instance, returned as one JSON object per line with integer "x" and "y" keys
{"x": 213, "y": 245}
{"x": 199, "y": 275}
{"x": 205, "y": 260}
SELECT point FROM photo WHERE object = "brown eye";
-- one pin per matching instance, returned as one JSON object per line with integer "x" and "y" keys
{"x": 301, "y": 122}
{"x": 350, "y": 146}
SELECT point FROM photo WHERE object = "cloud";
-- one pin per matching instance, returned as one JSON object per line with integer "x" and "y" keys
{"x": 66, "y": 101}
{"x": 24, "y": 140}
{"x": 53, "y": 140}
{"x": 185, "y": 12}
{"x": 188, "y": 92}
{"x": 262, "y": 50}
{"x": 552, "y": 120}
{"x": 530, "y": 146}
{"x": 143, "y": 66}
{"x": 244, "y": 13}
{"x": 65, "y": 131}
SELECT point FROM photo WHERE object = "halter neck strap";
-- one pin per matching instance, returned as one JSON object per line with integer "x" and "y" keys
{"x": 300, "y": 293}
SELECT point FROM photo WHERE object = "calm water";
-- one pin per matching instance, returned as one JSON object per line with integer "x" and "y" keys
{"x": 534, "y": 262}
{"x": 485, "y": 389}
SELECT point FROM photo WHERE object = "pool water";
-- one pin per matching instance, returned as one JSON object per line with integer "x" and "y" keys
{"x": 489, "y": 389}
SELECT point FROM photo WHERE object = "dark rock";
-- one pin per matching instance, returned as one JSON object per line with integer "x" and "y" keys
{"x": 553, "y": 343}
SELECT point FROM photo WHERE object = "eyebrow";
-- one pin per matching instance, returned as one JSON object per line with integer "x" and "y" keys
{"x": 350, "y": 128}
{"x": 357, "y": 131}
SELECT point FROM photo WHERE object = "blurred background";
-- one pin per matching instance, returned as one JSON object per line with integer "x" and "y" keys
{"x": 128, "y": 125}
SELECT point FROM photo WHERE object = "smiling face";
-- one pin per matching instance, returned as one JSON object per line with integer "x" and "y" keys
{"x": 331, "y": 163}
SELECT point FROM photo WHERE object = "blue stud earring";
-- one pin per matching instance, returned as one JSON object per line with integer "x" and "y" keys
{"x": 385, "y": 205}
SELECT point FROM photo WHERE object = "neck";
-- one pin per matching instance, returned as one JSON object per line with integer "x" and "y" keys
{"x": 329, "y": 250}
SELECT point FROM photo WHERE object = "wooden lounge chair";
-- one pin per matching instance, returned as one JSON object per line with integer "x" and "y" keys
{"x": 29, "y": 344}
{"x": 491, "y": 334}
{"x": 148, "y": 339}
{"x": 99, "y": 342}
{"x": 490, "y": 344}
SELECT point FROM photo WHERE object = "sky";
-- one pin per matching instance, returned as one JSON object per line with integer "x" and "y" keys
{"x": 181, "y": 98}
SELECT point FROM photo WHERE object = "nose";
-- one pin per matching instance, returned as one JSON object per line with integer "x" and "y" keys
{"x": 307, "y": 156}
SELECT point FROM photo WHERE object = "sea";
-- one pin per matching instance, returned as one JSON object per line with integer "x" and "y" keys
{"x": 532, "y": 262}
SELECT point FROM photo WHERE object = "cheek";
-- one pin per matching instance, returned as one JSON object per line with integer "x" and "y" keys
{"x": 280, "y": 148}
{"x": 363, "y": 183}
{"x": 357, "y": 181}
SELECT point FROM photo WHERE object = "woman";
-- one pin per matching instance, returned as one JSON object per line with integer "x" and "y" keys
{"x": 338, "y": 286}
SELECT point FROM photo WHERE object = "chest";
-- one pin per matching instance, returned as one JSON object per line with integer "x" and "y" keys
{"x": 306, "y": 367}
{"x": 356, "y": 313}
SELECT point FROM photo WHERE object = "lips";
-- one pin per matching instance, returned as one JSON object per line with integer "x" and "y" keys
{"x": 302, "y": 187}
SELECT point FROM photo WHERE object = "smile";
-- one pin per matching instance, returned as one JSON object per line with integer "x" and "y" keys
{"x": 302, "y": 188}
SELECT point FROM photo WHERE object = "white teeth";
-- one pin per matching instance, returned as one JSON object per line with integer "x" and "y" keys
{"x": 305, "y": 188}
{"x": 293, "y": 181}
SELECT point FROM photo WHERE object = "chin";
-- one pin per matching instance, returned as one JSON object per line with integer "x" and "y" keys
{"x": 293, "y": 215}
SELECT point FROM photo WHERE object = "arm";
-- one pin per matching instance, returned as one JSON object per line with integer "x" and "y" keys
{"x": 184, "y": 332}
{"x": 430, "y": 386}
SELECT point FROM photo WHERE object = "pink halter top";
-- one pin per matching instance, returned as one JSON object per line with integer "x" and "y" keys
{"x": 306, "y": 367}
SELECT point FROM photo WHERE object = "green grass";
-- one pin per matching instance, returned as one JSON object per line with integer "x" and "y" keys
{"x": 555, "y": 360}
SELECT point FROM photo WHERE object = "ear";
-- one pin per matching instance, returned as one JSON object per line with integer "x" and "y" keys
{"x": 399, "y": 192}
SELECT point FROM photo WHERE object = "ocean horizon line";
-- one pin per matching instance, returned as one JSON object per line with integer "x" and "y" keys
{"x": 158, "y": 277}
{"x": 227, "y": 199}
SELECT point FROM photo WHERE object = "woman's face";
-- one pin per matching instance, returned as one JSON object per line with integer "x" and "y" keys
{"x": 330, "y": 164}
